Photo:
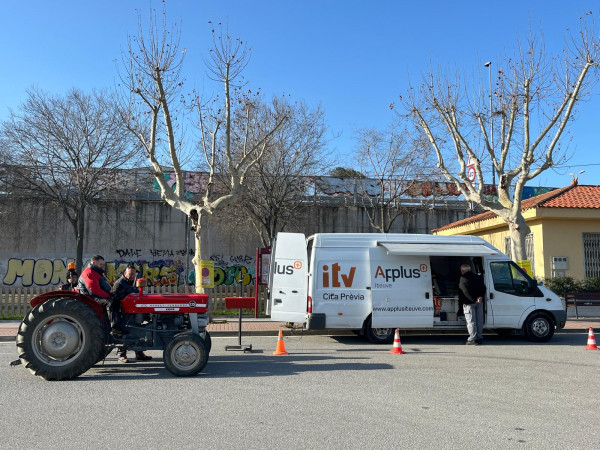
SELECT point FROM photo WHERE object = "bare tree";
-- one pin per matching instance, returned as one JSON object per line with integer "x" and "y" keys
{"x": 279, "y": 185}
{"x": 393, "y": 163}
{"x": 63, "y": 149}
{"x": 534, "y": 98}
{"x": 232, "y": 140}
{"x": 345, "y": 172}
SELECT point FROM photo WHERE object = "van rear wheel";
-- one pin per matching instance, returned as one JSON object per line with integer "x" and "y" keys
{"x": 377, "y": 335}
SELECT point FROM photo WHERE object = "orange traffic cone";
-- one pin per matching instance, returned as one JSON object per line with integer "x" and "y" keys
{"x": 397, "y": 348}
{"x": 591, "y": 341}
{"x": 280, "y": 349}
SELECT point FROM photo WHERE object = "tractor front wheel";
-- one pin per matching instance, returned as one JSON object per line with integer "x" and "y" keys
{"x": 185, "y": 355}
{"x": 207, "y": 341}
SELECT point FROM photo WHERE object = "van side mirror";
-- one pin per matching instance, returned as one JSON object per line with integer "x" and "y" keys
{"x": 525, "y": 287}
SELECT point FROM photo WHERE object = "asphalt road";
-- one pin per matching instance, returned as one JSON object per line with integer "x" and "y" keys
{"x": 329, "y": 393}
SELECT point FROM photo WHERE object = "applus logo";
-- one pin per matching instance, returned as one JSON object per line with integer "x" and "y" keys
{"x": 288, "y": 269}
{"x": 399, "y": 272}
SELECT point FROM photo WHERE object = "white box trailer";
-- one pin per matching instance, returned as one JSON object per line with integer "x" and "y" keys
{"x": 375, "y": 283}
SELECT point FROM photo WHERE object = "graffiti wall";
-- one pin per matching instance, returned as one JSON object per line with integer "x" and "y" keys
{"x": 233, "y": 270}
{"x": 165, "y": 268}
{"x": 326, "y": 186}
{"x": 195, "y": 183}
{"x": 50, "y": 272}
{"x": 35, "y": 272}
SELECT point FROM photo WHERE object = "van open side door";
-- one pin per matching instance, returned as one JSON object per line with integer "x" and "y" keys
{"x": 401, "y": 289}
{"x": 287, "y": 278}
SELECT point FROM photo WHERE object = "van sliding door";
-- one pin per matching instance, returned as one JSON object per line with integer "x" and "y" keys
{"x": 401, "y": 290}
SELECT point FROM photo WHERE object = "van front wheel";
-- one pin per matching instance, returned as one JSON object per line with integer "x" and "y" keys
{"x": 378, "y": 335}
{"x": 539, "y": 328}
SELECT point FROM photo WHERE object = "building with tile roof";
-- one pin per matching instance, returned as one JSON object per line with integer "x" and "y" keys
{"x": 565, "y": 231}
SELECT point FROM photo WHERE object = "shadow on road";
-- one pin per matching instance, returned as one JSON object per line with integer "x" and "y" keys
{"x": 570, "y": 339}
{"x": 261, "y": 364}
{"x": 236, "y": 365}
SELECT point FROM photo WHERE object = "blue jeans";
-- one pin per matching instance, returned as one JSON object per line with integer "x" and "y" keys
{"x": 474, "y": 318}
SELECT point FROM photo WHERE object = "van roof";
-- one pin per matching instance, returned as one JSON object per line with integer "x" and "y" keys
{"x": 373, "y": 239}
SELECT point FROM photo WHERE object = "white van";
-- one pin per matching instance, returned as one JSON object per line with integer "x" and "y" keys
{"x": 375, "y": 283}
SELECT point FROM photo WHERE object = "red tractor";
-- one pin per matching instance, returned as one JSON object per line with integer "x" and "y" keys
{"x": 66, "y": 333}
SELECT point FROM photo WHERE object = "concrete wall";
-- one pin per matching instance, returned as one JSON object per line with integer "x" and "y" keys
{"x": 37, "y": 240}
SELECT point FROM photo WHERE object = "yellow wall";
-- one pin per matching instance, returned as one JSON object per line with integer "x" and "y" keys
{"x": 565, "y": 238}
{"x": 556, "y": 232}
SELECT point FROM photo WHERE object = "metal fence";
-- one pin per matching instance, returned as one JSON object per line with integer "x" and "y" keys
{"x": 591, "y": 254}
{"x": 14, "y": 301}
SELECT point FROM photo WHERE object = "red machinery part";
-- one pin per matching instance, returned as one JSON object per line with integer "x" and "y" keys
{"x": 165, "y": 303}
{"x": 239, "y": 302}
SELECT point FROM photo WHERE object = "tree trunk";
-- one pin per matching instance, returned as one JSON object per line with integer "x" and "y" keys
{"x": 79, "y": 230}
{"x": 197, "y": 261}
{"x": 519, "y": 230}
{"x": 198, "y": 223}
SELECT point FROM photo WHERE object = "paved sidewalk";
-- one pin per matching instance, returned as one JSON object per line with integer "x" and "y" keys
{"x": 263, "y": 326}
{"x": 221, "y": 327}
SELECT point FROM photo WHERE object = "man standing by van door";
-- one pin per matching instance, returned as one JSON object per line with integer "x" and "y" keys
{"x": 470, "y": 292}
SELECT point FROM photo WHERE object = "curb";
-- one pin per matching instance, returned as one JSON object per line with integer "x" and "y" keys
{"x": 267, "y": 333}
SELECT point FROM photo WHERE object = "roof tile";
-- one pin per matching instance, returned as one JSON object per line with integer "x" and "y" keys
{"x": 572, "y": 196}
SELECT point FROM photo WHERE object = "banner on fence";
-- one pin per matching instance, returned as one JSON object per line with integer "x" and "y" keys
{"x": 207, "y": 270}
{"x": 526, "y": 266}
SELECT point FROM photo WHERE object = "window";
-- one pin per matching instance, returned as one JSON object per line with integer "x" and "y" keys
{"x": 510, "y": 278}
{"x": 591, "y": 255}
{"x": 529, "y": 250}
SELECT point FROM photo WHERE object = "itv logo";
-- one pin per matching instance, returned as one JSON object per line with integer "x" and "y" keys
{"x": 334, "y": 277}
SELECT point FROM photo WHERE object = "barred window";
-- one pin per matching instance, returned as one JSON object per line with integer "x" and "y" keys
{"x": 591, "y": 255}
{"x": 529, "y": 250}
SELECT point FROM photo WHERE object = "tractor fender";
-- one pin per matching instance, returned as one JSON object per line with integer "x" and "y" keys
{"x": 97, "y": 307}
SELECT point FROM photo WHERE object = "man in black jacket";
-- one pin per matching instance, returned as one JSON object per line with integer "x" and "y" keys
{"x": 124, "y": 286}
{"x": 471, "y": 291}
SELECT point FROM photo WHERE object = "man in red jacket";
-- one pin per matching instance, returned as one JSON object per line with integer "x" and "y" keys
{"x": 92, "y": 282}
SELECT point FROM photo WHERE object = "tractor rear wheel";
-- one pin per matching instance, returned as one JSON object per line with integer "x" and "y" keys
{"x": 60, "y": 339}
{"x": 185, "y": 355}
{"x": 104, "y": 352}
